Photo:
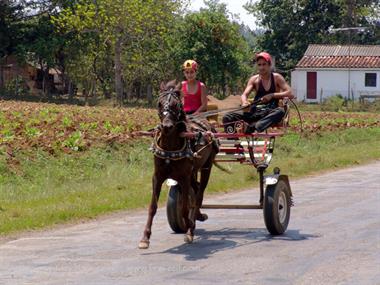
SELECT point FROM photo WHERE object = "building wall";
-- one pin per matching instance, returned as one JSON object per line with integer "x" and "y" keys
{"x": 11, "y": 69}
{"x": 331, "y": 82}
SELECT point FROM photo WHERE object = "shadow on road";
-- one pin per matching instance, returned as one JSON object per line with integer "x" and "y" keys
{"x": 208, "y": 243}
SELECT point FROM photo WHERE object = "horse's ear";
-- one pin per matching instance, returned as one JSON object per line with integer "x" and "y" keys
{"x": 163, "y": 86}
{"x": 178, "y": 87}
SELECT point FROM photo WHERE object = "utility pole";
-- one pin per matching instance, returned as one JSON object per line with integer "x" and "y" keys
{"x": 351, "y": 21}
{"x": 349, "y": 30}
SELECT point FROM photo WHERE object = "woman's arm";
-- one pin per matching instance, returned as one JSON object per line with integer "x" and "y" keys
{"x": 203, "y": 107}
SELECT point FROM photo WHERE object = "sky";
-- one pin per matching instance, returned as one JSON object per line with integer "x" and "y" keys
{"x": 234, "y": 6}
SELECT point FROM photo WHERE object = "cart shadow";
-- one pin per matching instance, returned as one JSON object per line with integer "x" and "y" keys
{"x": 208, "y": 243}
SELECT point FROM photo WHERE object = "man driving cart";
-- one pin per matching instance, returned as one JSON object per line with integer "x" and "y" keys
{"x": 265, "y": 110}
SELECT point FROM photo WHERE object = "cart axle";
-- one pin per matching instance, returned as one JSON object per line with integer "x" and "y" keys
{"x": 238, "y": 207}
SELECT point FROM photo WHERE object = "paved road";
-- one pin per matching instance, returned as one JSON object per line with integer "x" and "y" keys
{"x": 333, "y": 238}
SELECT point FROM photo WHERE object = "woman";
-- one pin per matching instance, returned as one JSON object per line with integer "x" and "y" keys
{"x": 194, "y": 91}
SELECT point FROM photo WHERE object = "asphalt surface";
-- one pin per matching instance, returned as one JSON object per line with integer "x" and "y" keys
{"x": 333, "y": 238}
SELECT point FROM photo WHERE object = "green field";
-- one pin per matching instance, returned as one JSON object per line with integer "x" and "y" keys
{"x": 43, "y": 190}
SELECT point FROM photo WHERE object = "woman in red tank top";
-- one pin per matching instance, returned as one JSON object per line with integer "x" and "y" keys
{"x": 194, "y": 91}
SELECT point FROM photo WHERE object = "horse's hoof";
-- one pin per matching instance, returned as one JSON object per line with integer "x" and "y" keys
{"x": 144, "y": 244}
{"x": 189, "y": 238}
{"x": 202, "y": 217}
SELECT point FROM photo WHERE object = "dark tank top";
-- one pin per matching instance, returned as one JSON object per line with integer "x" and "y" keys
{"x": 261, "y": 92}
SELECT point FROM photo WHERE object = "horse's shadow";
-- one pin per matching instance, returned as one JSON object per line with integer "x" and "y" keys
{"x": 208, "y": 243}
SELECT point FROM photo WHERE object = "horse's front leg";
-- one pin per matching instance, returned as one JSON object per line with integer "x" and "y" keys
{"x": 157, "y": 184}
{"x": 205, "y": 176}
{"x": 188, "y": 209}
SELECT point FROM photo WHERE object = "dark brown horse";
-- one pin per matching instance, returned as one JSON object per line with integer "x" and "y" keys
{"x": 177, "y": 157}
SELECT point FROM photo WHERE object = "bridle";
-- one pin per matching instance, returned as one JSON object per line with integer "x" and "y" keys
{"x": 178, "y": 114}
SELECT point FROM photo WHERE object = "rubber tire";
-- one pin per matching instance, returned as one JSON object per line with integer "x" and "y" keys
{"x": 271, "y": 214}
{"x": 174, "y": 210}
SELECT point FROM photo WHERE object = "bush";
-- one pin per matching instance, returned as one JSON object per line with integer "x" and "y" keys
{"x": 15, "y": 87}
{"x": 333, "y": 103}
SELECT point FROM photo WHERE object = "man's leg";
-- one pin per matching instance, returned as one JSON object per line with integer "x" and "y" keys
{"x": 274, "y": 117}
{"x": 229, "y": 121}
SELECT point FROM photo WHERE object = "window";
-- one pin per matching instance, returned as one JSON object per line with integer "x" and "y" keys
{"x": 370, "y": 80}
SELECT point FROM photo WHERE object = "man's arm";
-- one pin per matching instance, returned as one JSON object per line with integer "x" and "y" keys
{"x": 285, "y": 90}
{"x": 247, "y": 91}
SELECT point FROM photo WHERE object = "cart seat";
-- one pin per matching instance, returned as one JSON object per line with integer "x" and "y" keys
{"x": 213, "y": 119}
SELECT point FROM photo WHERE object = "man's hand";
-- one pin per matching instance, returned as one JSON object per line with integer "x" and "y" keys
{"x": 267, "y": 98}
{"x": 245, "y": 103}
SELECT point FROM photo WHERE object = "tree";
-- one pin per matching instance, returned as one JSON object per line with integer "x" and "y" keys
{"x": 10, "y": 29}
{"x": 209, "y": 37}
{"x": 119, "y": 26}
{"x": 26, "y": 30}
{"x": 291, "y": 25}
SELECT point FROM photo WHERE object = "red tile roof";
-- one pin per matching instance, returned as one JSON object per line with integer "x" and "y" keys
{"x": 335, "y": 56}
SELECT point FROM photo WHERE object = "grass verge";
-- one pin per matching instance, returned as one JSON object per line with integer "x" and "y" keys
{"x": 52, "y": 190}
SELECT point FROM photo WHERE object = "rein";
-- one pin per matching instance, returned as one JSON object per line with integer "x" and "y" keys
{"x": 228, "y": 110}
{"x": 221, "y": 111}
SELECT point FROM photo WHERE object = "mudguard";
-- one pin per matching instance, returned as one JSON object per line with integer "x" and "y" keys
{"x": 275, "y": 178}
{"x": 171, "y": 182}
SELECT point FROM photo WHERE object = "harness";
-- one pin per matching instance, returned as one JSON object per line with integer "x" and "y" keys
{"x": 186, "y": 151}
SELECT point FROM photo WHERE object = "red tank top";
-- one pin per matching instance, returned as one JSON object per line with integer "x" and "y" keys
{"x": 191, "y": 102}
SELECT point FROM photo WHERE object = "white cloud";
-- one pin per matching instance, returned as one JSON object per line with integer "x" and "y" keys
{"x": 235, "y": 7}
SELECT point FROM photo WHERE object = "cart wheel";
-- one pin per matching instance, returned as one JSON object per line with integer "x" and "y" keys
{"x": 174, "y": 210}
{"x": 277, "y": 202}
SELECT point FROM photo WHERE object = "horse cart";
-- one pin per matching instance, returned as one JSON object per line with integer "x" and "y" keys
{"x": 255, "y": 150}
{"x": 184, "y": 157}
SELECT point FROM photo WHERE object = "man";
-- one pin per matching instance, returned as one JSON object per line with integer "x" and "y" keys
{"x": 269, "y": 87}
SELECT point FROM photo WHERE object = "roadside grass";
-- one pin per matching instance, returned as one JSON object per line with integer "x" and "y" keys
{"x": 45, "y": 190}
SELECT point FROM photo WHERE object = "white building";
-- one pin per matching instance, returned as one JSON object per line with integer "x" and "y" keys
{"x": 328, "y": 70}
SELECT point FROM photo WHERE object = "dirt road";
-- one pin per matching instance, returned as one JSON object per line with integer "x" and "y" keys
{"x": 333, "y": 238}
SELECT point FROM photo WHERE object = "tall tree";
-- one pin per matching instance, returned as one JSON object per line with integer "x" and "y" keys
{"x": 120, "y": 25}
{"x": 209, "y": 37}
{"x": 10, "y": 28}
{"x": 291, "y": 25}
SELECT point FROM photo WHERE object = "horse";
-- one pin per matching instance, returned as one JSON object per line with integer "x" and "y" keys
{"x": 175, "y": 157}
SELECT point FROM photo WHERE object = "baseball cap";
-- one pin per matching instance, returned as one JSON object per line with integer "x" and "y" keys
{"x": 264, "y": 55}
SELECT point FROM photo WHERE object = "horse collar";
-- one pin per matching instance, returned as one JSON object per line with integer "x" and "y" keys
{"x": 184, "y": 152}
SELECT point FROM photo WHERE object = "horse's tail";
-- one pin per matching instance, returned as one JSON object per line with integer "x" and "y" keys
{"x": 222, "y": 168}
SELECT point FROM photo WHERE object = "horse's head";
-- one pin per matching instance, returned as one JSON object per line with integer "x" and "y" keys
{"x": 170, "y": 109}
